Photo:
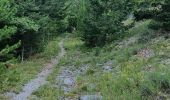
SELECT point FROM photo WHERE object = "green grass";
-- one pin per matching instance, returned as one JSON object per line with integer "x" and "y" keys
{"x": 134, "y": 77}
{"x": 47, "y": 92}
{"x": 51, "y": 49}
{"x": 14, "y": 78}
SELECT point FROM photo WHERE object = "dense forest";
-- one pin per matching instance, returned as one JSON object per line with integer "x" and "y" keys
{"x": 92, "y": 33}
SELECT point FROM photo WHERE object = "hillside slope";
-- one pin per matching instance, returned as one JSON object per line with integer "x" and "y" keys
{"x": 133, "y": 69}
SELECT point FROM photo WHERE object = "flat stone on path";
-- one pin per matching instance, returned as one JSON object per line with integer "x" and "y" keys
{"x": 10, "y": 94}
{"x": 91, "y": 97}
{"x": 69, "y": 81}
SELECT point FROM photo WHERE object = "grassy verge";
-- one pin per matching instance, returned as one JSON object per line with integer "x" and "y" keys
{"x": 134, "y": 77}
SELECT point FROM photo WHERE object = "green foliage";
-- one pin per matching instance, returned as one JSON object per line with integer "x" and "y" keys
{"x": 100, "y": 21}
{"x": 33, "y": 23}
{"x": 7, "y": 12}
{"x": 7, "y": 32}
{"x": 156, "y": 10}
{"x": 26, "y": 23}
{"x": 163, "y": 17}
{"x": 7, "y": 9}
{"x": 146, "y": 9}
{"x": 9, "y": 49}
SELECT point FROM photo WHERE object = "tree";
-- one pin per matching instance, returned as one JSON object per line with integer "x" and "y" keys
{"x": 7, "y": 30}
{"x": 13, "y": 28}
{"x": 157, "y": 10}
{"x": 146, "y": 9}
{"x": 47, "y": 21}
{"x": 162, "y": 19}
{"x": 100, "y": 21}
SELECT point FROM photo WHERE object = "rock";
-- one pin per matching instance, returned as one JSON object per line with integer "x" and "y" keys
{"x": 69, "y": 81}
{"x": 109, "y": 63}
{"x": 127, "y": 42}
{"x": 91, "y": 97}
{"x": 98, "y": 64}
{"x": 161, "y": 98}
{"x": 107, "y": 68}
{"x": 66, "y": 89}
{"x": 166, "y": 62}
{"x": 146, "y": 53}
{"x": 82, "y": 70}
{"x": 33, "y": 97}
{"x": 91, "y": 86}
{"x": 66, "y": 79}
{"x": 149, "y": 68}
{"x": 10, "y": 94}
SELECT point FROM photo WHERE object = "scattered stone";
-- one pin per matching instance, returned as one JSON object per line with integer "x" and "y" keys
{"x": 107, "y": 68}
{"x": 91, "y": 86}
{"x": 161, "y": 98}
{"x": 148, "y": 68}
{"x": 166, "y": 62}
{"x": 82, "y": 70}
{"x": 10, "y": 94}
{"x": 67, "y": 89}
{"x": 66, "y": 80}
{"x": 70, "y": 81}
{"x": 91, "y": 97}
{"x": 109, "y": 63}
{"x": 127, "y": 42}
{"x": 98, "y": 64}
{"x": 146, "y": 53}
{"x": 33, "y": 97}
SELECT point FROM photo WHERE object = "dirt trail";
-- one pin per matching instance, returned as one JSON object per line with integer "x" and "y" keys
{"x": 40, "y": 80}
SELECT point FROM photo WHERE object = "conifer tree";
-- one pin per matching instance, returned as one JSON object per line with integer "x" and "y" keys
{"x": 7, "y": 30}
{"x": 12, "y": 29}
{"x": 100, "y": 21}
{"x": 163, "y": 18}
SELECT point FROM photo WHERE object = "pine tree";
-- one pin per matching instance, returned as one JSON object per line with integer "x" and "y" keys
{"x": 100, "y": 21}
{"x": 12, "y": 29}
{"x": 7, "y": 30}
{"x": 163, "y": 18}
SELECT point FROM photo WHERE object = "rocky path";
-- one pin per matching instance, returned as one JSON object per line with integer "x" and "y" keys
{"x": 66, "y": 81}
{"x": 40, "y": 80}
